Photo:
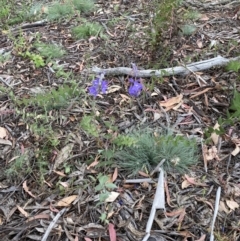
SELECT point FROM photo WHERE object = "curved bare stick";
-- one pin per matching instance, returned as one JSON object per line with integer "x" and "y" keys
{"x": 179, "y": 70}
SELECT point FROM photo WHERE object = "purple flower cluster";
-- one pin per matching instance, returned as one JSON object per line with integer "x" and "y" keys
{"x": 136, "y": 85}
{"x": 99, "y": 85}
{"x": 135, "y": 88}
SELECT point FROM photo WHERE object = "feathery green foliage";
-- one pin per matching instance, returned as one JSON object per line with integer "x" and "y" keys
{"x": 178, "y": 151}
{"x": 86, "y": 30}
{"x": 36, "y": 58}
{"x": 50, "y": 50}
{"x": 19, "y": 167}
{"x": 83, "y": 5}
{"x": 60, "y": 10}
{"x": 89, "y": 126}
{"x": 233, "y": 66}
{"x": 122, "y": 141}
{"x": 54, "y": 99}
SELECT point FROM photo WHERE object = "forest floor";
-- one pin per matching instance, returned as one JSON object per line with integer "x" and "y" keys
{"x": 56, "y": 139}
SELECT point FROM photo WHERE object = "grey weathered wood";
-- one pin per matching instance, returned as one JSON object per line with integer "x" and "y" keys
{"x": 179, "y": 70}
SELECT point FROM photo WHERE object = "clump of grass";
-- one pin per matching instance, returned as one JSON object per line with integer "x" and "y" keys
{"x": 19, "y": 167}
{"x": 50, "y": 50}
{"x": 5, "y": 57}
{"x": 54, "y": 99}
{"x": 60, "y": 10}
{"x": 83, "y": 5}
{"x": 86, "y": 30}
{"x": 10, "y": 14}
{"x": 233, "y": 66}
{"x": 193, "y": 15}
{"x": 179, "y": 152}
{"x": 188, "y": 29}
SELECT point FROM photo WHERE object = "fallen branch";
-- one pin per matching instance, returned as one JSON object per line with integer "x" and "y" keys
{"x": 179, "y": 70}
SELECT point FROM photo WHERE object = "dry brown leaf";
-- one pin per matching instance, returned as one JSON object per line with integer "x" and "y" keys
{"x": 115, "y": 175}
{"x": 235, "y": 151}
{"x": 110, "y": 214}
{"x": 203, "y": 200}
{"x": 182, "y": 215}
{"x": 191, "y": 181}
{"x": 211, "y": 153}
{"x": 76, "y": 238}
{"x": 87, "y": 239}
{"x": 185, "y": 184}
{"x": 199, "y": 43}
{"x": 222, "y": 207}
{"x": 112, "y": 232}
{"x": 175, "y": 212}
{"x": 144, "y": 185}
{"x": 64, "y": 184}
{"x": 27, "y": 190}
{"x": 39, "y": 216}
{"x": 185, "y": 233}
{"x": 23, "y": 212}
{"x": 113, "y": 88}
{"x": 214, "y": 136}
{"x": 112, "y": 197}
{"x": 232, "y": 204}
{"x": 3, "y": 132}
{"x": 63, "y": 155}
{"x": 204, "y": 17}
{"x": 156, "y": 116}
{"x": 65, "y": 202}
{"x": 167, "y": 194}
{"x": 143, "y": 174}
{"x": 60, "y": 173}
{"x": 72, "y": 118}
{"x": 170, "y": 103}
{"x": 200, "y": 93}
{"x": 176, "y": 106}
{"x": 94, "y": 163}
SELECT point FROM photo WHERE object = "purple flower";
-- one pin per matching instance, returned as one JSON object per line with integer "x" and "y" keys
{"x": 98, "y": 85}
{"x": 135, "y": 88}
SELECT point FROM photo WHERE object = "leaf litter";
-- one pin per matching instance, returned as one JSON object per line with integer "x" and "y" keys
{"x": 187, "y": 105}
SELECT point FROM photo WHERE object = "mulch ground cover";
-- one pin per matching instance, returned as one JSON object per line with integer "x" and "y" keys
{"x": 55, "y": 181}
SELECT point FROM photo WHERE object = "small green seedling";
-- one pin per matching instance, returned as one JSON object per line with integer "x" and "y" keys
{"x": 103, "y": 187}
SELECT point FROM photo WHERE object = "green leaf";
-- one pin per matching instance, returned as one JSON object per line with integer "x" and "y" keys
{"x": 99, "y": 187}
{"x": 103, "y": 179}
{"x": 103, "y": 196}
{"x": 103, "y": 218}
{"x": 110, "y": 185}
